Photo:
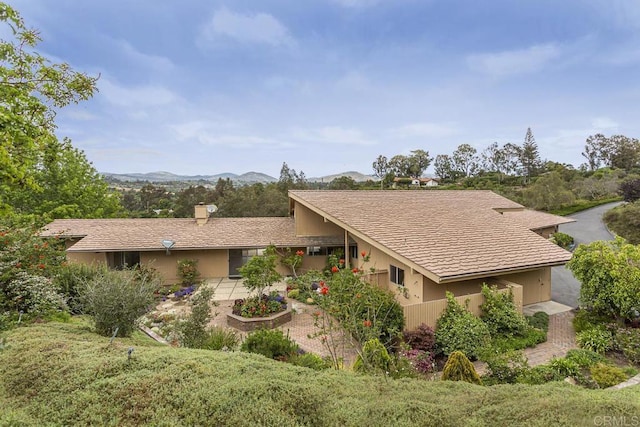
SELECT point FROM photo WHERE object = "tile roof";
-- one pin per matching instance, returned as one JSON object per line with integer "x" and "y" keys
{"x": 450, "y": 234}
{"x": 144, "y": 234}
{"x": 535, "y": 220}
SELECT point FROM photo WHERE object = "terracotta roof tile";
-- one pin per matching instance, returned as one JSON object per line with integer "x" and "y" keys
{"x": 535, "y": 220}
{"x": 448, "y": 233}
{"x": 147, "y": 233}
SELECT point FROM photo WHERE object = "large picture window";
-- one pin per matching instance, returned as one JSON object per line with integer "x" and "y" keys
{"x": 121, "y": 260}
{"x": 396, "y": 275}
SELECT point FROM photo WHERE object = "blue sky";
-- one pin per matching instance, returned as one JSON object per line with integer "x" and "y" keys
{"x": 205, "y": 87}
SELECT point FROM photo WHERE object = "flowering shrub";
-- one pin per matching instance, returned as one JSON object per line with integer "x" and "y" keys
{"x": 188, "y": 271}
{"x": 32, "y": 294}
{"x": 293, "y": 260}
{"x": 422, "y": 361}
{"x": 259, "y": 305}
{"x": 422, "y": 338}
{"x": 184, "y": 291}
{"x": 192, "y": 330}
{"x": 260, "y": 272}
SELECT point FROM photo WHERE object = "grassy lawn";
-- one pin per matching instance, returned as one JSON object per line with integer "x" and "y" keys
{"x": 64, "y": 374}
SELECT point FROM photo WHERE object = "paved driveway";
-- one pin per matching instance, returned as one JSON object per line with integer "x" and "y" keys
{"x": 588, "y": 227}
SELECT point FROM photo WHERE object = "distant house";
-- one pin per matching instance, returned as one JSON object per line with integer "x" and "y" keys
{"x": 415, "y": 182}
{"x": 419, "y": 245}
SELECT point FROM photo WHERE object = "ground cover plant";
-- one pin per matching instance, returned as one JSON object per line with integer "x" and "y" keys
{"x": 65, "y": 374}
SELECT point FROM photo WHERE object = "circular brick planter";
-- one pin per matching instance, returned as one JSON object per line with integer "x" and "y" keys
{"x": 251, "y": 324}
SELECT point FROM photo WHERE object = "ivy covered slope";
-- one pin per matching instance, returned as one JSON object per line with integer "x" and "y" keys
{"x": 63, "y": 374}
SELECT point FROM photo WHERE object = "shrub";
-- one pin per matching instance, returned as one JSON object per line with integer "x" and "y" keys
{"x": 584, "y": 358}
{"x": 500, "y": 314}
{"x": 459, "y": 330}
{"x": 628, "y": 341}
{"x": 293, "y": 294}
{"x": 564, "y": 367}
{"x": 539, "y": 320}
{"x": 537, "y": 375}
{"x": 459, "y": 368}
{"x": 562, "y": 239}
{"x": 311, "y": 361}
{"x": 587, "y": 319}
{"x": 422, "y": 338}
{"x": 115, "y": 299}
{"x": 188, "y": 271}
{"x": 192, "y": 330}
{"x": 597, "y": 339}
{"x": 531, "y": 338}
{"x": 218, "y": 338}
{"x": 270, "y": 343}
{"x": 32, "y": 294}
{"x": 71, "y": 278}
{"x": 607, "y": 375}
{"x": 503, "y": 367}
{"x": 259, "y": 305}
{"x": 374, "y": 358}
{"x": 422, "y": 362}
{"x": 260, "y": 271}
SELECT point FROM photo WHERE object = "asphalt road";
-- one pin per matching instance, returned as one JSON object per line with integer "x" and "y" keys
{"x": 588, "y": 227}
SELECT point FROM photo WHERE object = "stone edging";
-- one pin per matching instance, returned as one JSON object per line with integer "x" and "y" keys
{"x": 153, "y": 335}
{"x": 628, "y": 383}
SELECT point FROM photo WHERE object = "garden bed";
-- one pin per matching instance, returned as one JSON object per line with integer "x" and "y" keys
{"x": 246, "y": 324}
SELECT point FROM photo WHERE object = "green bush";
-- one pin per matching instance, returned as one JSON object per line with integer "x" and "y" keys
{"x": 457, "y": 329}
{"x": 584, "y": 358}
{"x": 311, "y": 361}
{"x": 564, "y": 367}
{"x": 70, "y": 279}
{"x": 531, "y": 338}
{"x": 503, "y": 367}
{"x": 539, "y": 320}
{"x": 607, "y": 375}
{"x": 597, "y": 339}
{"x": 373, "y": 359}
{"x": 273, "y": 344}
{"x": 116, "y": 299}
{"x": 188, "y": 271}
{"x": 293, "y": 294}
{"x": 540, "y": 374}
{"x": 587, "y": 319}
{"x": 562, "y": 239}
{"x": 218, "y": 338}
{"x": 193, "y": 330}
{"x": 459, "y": 368}
{"x": 500, "y": 314}
{"x": 33, "y": 295}
{"x": 422, "y": 338}
{"x": 628, "y": 341}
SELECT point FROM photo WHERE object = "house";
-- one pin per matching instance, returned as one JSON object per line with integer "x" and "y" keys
{"x": 418, "y": 244}
{"x": 415, "y": 182}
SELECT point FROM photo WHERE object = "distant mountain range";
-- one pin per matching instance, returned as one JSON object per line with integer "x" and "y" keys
{"x": 245, "y": 178}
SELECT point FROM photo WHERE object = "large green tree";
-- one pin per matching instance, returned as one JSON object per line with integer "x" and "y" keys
{"x": 34, "y": 165}
{"x": 610, "y": 277}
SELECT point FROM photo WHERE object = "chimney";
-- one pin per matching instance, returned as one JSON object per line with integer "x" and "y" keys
{"x": 201, "y": 214}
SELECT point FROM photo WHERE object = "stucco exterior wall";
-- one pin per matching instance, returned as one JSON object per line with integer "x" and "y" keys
{"x": 87, "y": 257}
{"x": 536, "y": 284}
{"x": 411, "y": 293}
{"x": 309, "y": 223}
{"x": 435, "y": 291}
{"x": 547, "y": 232}
{"x": 211, "y": 263}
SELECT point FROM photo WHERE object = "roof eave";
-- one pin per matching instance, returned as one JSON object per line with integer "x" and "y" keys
{"x": 498, "y": 272}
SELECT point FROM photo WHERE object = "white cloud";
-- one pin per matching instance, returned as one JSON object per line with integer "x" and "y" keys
{"x": 424, "y": 130}
{"x": 222, "y": 134}
{"x": 604, "y": 124}
{"x": 260, "y": 28}
{"x": 515, "y": 61}
{"x": 135, "y": 96}
{"x": 154, "y": 62}
{"x": 332, "y": 135}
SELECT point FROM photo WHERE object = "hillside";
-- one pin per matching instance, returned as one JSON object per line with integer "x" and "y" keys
{"x": 63, "y": 374}
{"x": 356, "y": 176}
{"x": 161, "y": 176}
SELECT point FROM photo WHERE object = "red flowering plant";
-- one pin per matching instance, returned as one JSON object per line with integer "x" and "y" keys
{"x": 292, "y": 259}
{"x": 353, "y": 312}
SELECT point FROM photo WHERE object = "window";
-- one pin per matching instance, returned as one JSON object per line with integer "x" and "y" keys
{"x": 353, "y": 251}
{"x": 247, "y": 254}
{"x": 396, "y": 275}
{"x": 314, "y": 251}
{"x": 121, "y": 260}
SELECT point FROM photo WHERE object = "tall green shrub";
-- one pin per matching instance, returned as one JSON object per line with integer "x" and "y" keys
{"x": 500, "y": 314}
{"x": 374, "y": 358}
{"x": 458, "y": 329}
{"x": 116, "y": 299}
{"x": 260, "y": 271}
{"x": 71, "y": 278}
{"x": 459, "y": 368}
{"x": 193, "y": 330}
{"x": 188, "y": 271}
